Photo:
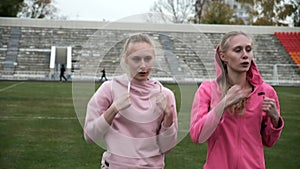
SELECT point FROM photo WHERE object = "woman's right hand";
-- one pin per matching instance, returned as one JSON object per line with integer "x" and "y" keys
{"x": 235, "y": 94}
{"x": 122, "y": 102}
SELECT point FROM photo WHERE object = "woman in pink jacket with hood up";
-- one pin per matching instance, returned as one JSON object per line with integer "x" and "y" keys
{"x": 238, "y": 113}
{"x": 134, "y": 115}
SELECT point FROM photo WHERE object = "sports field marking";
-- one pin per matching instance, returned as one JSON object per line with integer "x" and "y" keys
{"x": 11, "y": 86}
{"x": 37, "y": 117}
{"x": 289, "y": 94}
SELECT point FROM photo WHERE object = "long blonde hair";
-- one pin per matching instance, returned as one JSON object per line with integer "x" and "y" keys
{"x": 223, "y": 81}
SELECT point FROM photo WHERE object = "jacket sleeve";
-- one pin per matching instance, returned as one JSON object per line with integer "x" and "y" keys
{"x": 271, "y": 134}
{"x": 204, "y": 120}
{"x": 167, "y": 137}
{"x": 95, "y": 125}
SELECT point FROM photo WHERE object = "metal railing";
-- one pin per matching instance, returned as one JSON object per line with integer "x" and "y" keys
{"x": 274, "y": 74}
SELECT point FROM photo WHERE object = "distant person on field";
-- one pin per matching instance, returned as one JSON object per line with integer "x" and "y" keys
{"x": 103, "y": 75}
{"x": 62, "y": 73}
{"x": 135, "y": 116}
{"x": 237, "y": 114}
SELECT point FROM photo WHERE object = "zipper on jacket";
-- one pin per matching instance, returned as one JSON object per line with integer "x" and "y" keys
{"x": 240, "y": 118}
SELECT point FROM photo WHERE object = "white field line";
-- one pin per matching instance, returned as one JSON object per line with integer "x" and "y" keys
{"x": 11, "y": 86}
{"x": 289, "y": 94}
{"x": 37, "y": 117}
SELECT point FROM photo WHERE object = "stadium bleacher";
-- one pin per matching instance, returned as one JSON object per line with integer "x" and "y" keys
{"x": 291, "y": 42}
{"x": 25, "y": 49}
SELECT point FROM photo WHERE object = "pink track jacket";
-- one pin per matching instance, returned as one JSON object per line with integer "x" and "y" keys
{"x": 234, "y": 142}
{"x": 136, "y": 138}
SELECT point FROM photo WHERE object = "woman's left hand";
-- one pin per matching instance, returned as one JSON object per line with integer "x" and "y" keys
{"x": 163, "y": 101}
{"x": 269, "y": 106}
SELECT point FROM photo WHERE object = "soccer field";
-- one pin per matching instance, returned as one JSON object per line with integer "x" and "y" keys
{"x": 40, "y": 130}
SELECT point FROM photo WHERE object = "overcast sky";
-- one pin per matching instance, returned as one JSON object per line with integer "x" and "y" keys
{"x": 99, "y": 10}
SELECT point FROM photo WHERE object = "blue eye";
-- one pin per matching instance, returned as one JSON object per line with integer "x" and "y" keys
{"x": 136, "y": 59}
{"x": 148, "y": 58}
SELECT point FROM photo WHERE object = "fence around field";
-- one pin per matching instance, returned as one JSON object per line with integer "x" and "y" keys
{"x": 274, "y": 74}
{"x": 280, "y": 74}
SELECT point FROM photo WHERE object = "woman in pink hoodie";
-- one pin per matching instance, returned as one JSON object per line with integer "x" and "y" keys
{"x": 237, "y": 114}
{"x": 134, "y": 115}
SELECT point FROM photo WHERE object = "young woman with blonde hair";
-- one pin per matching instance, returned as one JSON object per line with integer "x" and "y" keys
{"x": 135, "y": 116}
{"x": 237, "y": 114}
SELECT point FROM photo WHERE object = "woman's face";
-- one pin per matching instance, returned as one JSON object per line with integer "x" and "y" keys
{"x": 140, "y": 59}
{"x": 239, "y": 54}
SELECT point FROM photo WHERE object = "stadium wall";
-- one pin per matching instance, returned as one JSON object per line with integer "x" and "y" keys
{"x": 28, "y": 46}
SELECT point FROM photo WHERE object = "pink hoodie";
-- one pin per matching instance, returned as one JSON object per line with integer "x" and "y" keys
{"x": 136, "y": 138}
{"x": 234, "y": 142}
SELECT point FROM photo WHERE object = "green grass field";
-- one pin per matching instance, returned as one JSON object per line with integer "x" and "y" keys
{"x": 40, "y": 130}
